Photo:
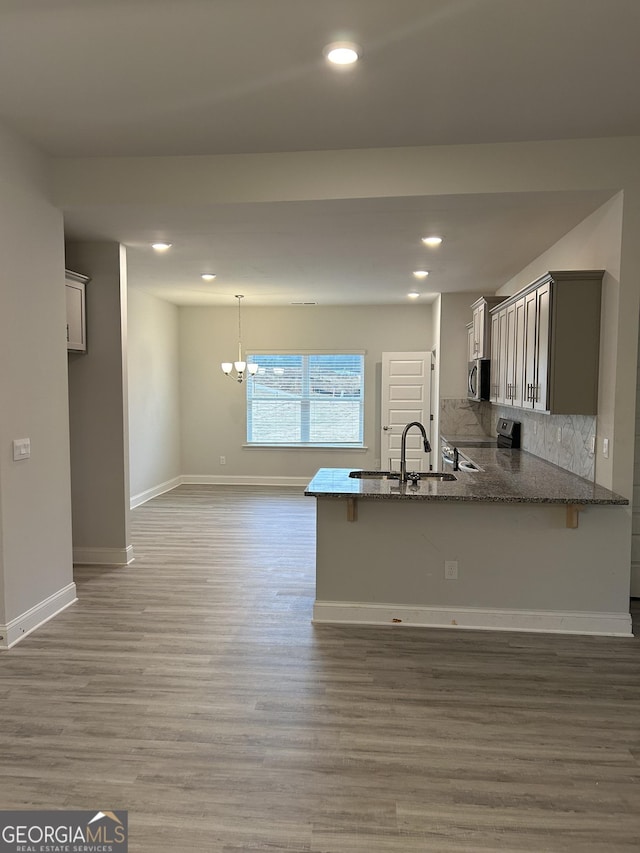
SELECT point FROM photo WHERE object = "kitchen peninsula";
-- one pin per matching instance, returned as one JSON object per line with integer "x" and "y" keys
{"x": 532, "y": 547}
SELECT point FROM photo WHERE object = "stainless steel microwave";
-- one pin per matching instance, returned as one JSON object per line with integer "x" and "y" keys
{"x": 479, "y": 379}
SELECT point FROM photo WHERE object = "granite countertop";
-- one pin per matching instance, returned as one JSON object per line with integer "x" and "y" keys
{"x": 508, "y": 476}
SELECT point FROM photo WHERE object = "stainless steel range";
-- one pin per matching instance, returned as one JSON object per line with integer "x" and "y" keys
{"x": 508, "y": 434}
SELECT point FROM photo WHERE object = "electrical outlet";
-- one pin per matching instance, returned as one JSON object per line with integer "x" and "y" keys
{"x": 451, "y": 570}
{"x": 223, "y": 460}
{"x": 605, "y": 448}
{"x": 535, "y": 427}
{"x": 559, "y": 435}
{"x": 592, "y": 445}
{"x": 21, "y": 449}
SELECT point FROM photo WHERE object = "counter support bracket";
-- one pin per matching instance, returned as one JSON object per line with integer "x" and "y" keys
{"x": 572, "y": 515}
{"x": 352, "y": 509}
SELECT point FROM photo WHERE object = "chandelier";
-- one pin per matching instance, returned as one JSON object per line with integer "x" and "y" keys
{"x": 240, "y": 365}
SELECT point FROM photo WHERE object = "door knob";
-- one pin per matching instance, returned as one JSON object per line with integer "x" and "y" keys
{"x": 385, "y": 428}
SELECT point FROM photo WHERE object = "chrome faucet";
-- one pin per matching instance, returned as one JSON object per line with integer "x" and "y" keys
{"x": 403, "y": 447}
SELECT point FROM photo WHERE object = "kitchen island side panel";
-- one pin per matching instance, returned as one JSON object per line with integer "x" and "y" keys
{"x": 512, "y": 556}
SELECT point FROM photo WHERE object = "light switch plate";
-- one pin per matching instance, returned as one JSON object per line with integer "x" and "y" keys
{"x": 21, "y": 449}
{"x": 605, "y": 448}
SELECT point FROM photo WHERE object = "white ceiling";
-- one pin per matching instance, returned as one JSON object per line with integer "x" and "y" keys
{"x": 165, "y": 77}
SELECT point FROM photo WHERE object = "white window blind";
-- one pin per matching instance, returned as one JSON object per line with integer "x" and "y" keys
{"x": 306, "y": 399}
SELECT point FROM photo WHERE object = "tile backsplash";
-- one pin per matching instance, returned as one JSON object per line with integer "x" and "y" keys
{"x": 462, "y": 417}
{"x": 539, "y": 431}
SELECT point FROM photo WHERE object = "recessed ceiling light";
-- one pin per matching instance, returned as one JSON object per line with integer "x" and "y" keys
{"x": 420, "y": 273}
{"x": 208, "y": 276}
{"x": 342, "y": 52}
{"x": 413, "y": 295}
{"x": 161, "y": 247}
{"x": 432, "y": 241}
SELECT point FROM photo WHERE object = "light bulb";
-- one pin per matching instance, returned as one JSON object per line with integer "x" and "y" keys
{"x": 342, "y": 53}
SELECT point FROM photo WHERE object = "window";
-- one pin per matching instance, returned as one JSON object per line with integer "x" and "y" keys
{"x": 308, "y": 399}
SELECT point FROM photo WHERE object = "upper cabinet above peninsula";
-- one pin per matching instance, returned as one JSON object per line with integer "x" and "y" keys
{"x": 545, "y": 343}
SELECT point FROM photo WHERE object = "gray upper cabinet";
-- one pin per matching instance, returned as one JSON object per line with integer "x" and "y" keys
{"x": 547, "y": 356}
{"x": 470, "y": 343}
{"x": 480, "y": 339}
{"x": 76, "y": 311}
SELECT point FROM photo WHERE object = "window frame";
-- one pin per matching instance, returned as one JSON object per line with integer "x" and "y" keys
{"x": 306, "y": 399}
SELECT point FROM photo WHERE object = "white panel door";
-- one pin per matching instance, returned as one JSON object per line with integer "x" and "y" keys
{"x": 406, "y": 395}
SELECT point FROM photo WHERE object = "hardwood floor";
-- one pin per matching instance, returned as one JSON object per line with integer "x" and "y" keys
{"x": 191, "y": 689}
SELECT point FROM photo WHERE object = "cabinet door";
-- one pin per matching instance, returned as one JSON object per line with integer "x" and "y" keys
{"x": 503, "y": 396}
{"x": 495, "y": 358}
{"x": 543, "y": 317}
{"x": 529, "y": 354}
{"x": 76, "y": 337}
{"x": 518, "y": 353}
{"x": 509, "y": 354}
{"x": 478, "y": 317}
{"x": 470, "y": 342}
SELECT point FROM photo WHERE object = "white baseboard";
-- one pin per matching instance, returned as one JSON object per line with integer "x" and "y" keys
{"x": 243, "y": 480}
{"x": 478, "y": 618}
{"x": 143, "y": 497}
{"x": 103, "y": 556}
{"x": 214, "y": 480}
{"x": 36, "y": 616}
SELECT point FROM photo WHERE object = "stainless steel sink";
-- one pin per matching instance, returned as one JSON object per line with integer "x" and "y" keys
{"x": 375, "y": 475}
{"x": 393, "y": 475}
{"x": 437, "y": 475}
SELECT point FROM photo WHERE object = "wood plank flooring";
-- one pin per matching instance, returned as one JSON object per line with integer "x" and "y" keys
{"x": 191, "y": 689}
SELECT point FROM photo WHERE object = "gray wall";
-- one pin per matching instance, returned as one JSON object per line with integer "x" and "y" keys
{"x": 35, "y": 510}
{"x": 455, "y": 314}
{"x": 213, "y": 405}
{"x": 154, "y": 399}
{"x": 98, "y": 400}
{"x": 635, "y": 539}
{"x": 593, "y": 244}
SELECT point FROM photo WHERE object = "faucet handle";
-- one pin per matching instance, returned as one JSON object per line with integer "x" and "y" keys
{"x": 414, "y": 476}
